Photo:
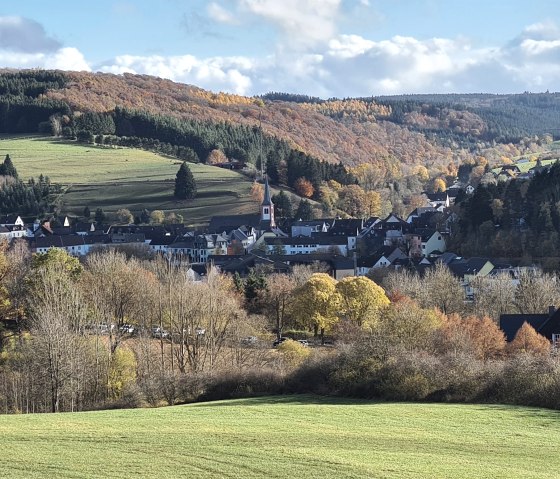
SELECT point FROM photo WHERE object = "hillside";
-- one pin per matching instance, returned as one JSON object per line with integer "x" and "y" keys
{"x": 285, "y": 437}
{"x": 114, "y": 178}
{"x": 304, "y": 126}
{"x": 394, "y": 147}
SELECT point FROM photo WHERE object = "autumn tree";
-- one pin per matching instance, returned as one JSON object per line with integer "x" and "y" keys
{"x": 362, "y": 301}
{"x": 317, "y": 303}
{"x": 157, "y": 217}
{"x": 216, "y": 157}
{"x": 257, "y": 192}
{"x": 406, "y": 324}
{"x": 304, "y": 187}
{"x": 125, "y": 216}
{"x": 527, "y": 340}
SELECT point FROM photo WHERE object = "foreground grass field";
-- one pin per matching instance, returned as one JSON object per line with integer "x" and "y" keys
{"x": 114, "y": 178}
{"x": 284, "y": 437}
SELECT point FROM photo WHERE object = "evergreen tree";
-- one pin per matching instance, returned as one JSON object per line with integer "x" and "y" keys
{"x": 7, "y": 168}
{"x": 99, "y": 215}
{"x": 282, "y": 205}
{"x": 87, "y": 213}
{"x": 304, "y": 211}
{"x": 185, "y": 186}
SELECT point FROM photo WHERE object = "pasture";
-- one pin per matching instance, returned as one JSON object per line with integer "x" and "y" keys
{"x": 114, "y": 178}
{"x": 285, "y": 437}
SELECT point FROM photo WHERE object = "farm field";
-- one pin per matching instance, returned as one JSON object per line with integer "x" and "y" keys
{"x": 284, "y": 437}
{"x": 114, "y": 178}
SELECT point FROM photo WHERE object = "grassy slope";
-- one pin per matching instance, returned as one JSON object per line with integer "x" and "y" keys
{"x": 126, "y": 178}
{"x": 286, "y": 437}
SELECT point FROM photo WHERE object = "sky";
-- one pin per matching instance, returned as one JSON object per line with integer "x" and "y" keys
{"x": 323, "y": 48}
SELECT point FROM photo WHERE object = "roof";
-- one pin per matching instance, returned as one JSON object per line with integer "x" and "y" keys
{"x": 317, "y": 239}
{"x": 511, "y": 323}
{"x": 267, "y": 201}
{"x": 231, "y": 222}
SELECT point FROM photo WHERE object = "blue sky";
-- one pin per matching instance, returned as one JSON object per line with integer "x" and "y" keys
{"x": 322, "y": 48}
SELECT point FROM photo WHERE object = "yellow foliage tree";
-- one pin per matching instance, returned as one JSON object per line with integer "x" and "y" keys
{"x": 439, "y": 185}
{"x": 317, "y": 303}
{"x": 362, "y": 300}
{"x": 122, "y": 371}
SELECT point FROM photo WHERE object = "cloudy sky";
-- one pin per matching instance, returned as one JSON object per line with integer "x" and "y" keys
{"x": 325, "y": 48}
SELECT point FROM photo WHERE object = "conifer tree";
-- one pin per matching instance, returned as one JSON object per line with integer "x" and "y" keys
{"x": 185, "y": 186}
{"x": 7, "y": 168}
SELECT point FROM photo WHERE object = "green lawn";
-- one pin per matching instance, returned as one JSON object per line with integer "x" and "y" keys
{"x": 303, "y": 437}
{"x": 113, "y": 178}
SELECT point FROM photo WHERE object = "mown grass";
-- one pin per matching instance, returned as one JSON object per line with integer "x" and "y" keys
{"x": 284, "y": 437}
{"x": 114, "y": 178}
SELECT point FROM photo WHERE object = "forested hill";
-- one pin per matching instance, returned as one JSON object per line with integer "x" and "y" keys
{"x": 395, "y": 134}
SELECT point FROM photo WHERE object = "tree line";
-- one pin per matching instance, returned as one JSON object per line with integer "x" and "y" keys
{"x": 116, "y": 330}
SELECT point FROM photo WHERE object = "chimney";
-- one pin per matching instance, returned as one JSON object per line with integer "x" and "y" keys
{"x": 551, "y": 310}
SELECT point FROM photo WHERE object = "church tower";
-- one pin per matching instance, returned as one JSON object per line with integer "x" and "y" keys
{"x": 267, "y": 208}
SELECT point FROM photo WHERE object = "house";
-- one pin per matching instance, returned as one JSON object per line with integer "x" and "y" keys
{"x": 307, "y": 228}
{"x": 546, "y": 324}
{"x": 425, "y": 242}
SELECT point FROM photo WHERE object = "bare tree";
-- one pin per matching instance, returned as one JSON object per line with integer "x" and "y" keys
{"x": 57, "y": 314}
{"x": 536, "y": 292}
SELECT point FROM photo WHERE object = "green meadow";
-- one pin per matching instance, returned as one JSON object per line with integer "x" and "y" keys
{"x": 114, "y": 178}
{"x": 286, "y": 437}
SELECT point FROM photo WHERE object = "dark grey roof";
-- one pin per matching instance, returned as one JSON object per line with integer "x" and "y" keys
{"x": 511, "y": 323}
{"x": 267, "y": 201}
{"x": 219, "y": 224}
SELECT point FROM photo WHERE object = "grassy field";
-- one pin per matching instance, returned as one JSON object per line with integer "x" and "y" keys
{"x": 113, "y": 178}
{"x": 286, "y": 437}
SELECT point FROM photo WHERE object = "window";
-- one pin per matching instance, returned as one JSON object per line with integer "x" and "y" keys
{"x": 265, "y": 211}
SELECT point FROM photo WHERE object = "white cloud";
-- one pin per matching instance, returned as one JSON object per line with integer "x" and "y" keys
{"x": 301, "y": 23}
{"x": 62, "y": 59}
{"x": 218, "y": 74}
{"x": 220, "y": 14}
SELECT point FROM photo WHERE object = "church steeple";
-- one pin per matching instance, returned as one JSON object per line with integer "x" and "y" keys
{"x": 267, "y": 206}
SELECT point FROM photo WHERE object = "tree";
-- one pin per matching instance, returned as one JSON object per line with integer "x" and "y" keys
{"x": 157, "y": 217}
{"x": 278, "y": 298}
{"x": 57, "y": 315}
{"x": 215, "y": 157}
{"x": 125, "y": 216}
{"x": 99, "y": 215}
{"x": 304, "y": 187}
{"x": 362, "y": 300}
{"x": 185, "y": 185}
{"x": 7, "y": 168}
{"x": 304, "y": 211}
{"x": 257, "y": 192}
{"x": 282, "y": 205}
{"x": 87, "y": 213}
{"x": 527, "y": 340}
{"x": 354, "y": 201}
{"x": 317, "y": 303}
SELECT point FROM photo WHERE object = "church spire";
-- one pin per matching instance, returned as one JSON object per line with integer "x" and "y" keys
{"x": 267, "y": 206}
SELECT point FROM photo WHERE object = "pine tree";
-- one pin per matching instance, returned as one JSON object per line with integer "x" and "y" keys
{"x": 99, "y": 215}
{"x": 185, "y": 186}
{"x": 87, "y": 213}
{"x": 304, "y": 211}
{"x": 8, "y": 168}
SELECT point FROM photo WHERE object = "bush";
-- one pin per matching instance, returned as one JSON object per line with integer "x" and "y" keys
{"x": 241, "y": 384}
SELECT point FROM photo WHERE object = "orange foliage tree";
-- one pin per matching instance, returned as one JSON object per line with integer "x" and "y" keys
{"x": 527, "y": 340}
{"x": 304, "y": 187}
